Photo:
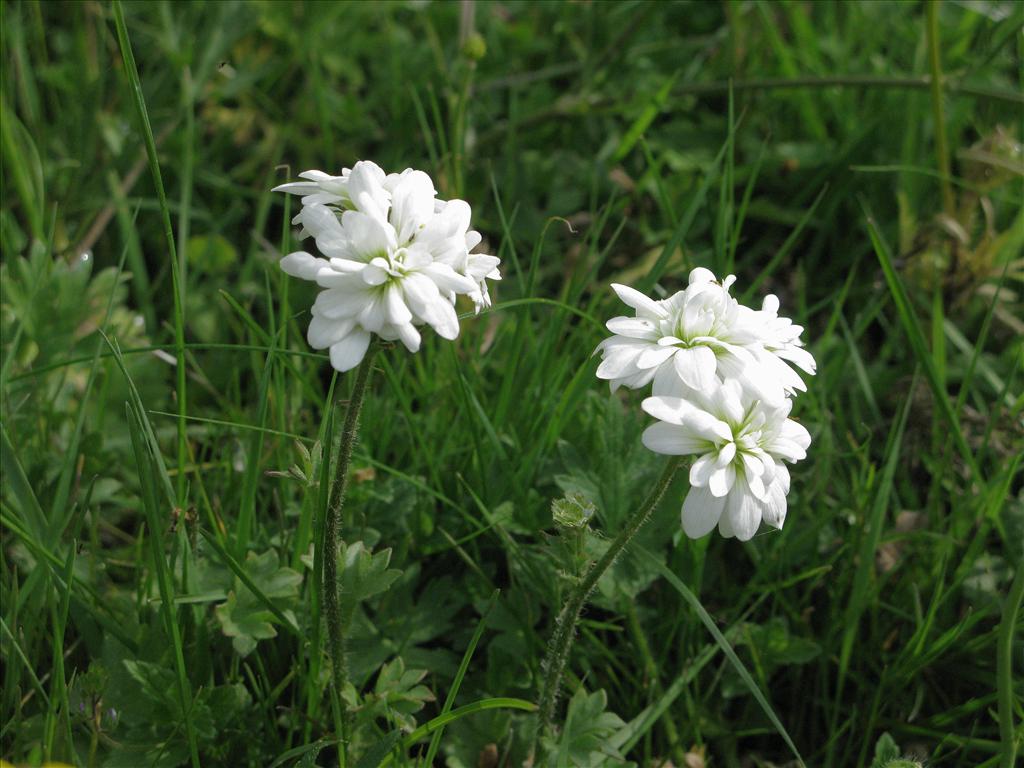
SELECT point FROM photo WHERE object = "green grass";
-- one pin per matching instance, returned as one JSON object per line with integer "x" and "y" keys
{"x": 168, "y": 435}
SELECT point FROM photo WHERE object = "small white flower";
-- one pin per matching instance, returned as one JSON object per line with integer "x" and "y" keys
{"x": 396, "y": 259}
{"x": 699, "y": 338}
{"x": 739, "y": 478}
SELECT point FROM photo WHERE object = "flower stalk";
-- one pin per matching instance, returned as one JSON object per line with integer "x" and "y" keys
{"x": 565, "y": 626}
{"x": 332, "y": 526}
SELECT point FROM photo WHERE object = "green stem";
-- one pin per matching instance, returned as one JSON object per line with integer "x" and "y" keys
{"x": 1004, "y": 667}
{"x": 938, "y": 115}
{"x": 94, "y": 744}
{"x": 332, "y": 525}
{"x": 565, "y": 626}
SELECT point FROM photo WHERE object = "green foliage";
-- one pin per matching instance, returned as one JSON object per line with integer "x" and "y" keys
{"x": 398, "y": 694}
{"x": 245, "y": 617}
{"x": 573, "y": 511}
{"x": 769, "y": 647}
{"x": 791, "y": 143}
{"x": 586, "y": 740}
{"x": 887, "y": 755}
{"x": 363, "y": 574}
{"x": 143, "y": 697}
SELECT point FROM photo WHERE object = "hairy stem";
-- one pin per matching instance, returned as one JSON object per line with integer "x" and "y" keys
{"x": 332, "y": 525}
{"x": 565, "y": 626}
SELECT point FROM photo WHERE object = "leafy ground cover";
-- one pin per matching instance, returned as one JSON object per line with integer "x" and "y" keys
{"x": 167, "y": 432}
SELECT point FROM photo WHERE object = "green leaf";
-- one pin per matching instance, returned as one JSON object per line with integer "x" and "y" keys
{"x": 584, "y": 742}
{"x": 244, "y": 623}
{"x": 307, "y": 754}
{"x": 213, "y": 253}
{"x": 376, "y": 754}
{"x": 886, "y": 750}
{"x": 156, "y": 705}
{"x": 245, "y": 617}
{"x": 771, "y": 646}
{"x": 364, "y": 574}
{"x": 399, "y": 693}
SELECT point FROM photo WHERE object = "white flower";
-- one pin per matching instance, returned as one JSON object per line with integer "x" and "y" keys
{"x": 699, "y": 338}
{"x": 396, "y": 259}
{"x": 780, "y": 340}
{"x": 739, "y": 478}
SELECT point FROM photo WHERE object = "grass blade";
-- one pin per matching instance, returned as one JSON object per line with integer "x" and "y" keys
{"x": 913, "y": 330}
{"x": 435, "y": 741}
{"x": 441, "y": 721}
{"x": 685, "y": 223}
{"x": 20, "y": 488}
{"x": 871, "y": 536}
{"x": 178, "y": 288}
{"x": 1004, "y": 660}
{"x": 60, "y": 497}
{"x": 705, "y": 617}
{"x": 168, "y": 608}
{"x": 252, "y": 464}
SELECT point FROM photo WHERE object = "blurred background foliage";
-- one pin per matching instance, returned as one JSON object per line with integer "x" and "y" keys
{"x": 596, "y": 142}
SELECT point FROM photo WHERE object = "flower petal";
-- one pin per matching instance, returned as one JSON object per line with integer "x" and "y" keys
{"x": 774, "y": 507}
{"x": 696, "y": 366}
{"x": 701, "y": 470}
{"x": 366, "y": 188}
{"x": 722, "y": 480}
{"x": 701, "y": 511}
{"x": 349, "y": 352}
{"x": 619, "y": 362}
{"x": 642, "y": 304}
{"x": 366, "y": 237}
{"x": 446, "y": 322}
{"x": 410, "y": 337}
{"x": 412, "y": 204}
{"x": 671, "y": 440}
{"x": 324, "y": 332}
{"x": 394, "y": 307}
{"x": 304, "y": 265}
{"x": 654, "y": 356}
{"x": 673, "y": 410}
{"x": 701, "y": 275}
{"x": 447, "y": 279}
{"x": 633, "y": 327}
{"x": 744, "y": 511}
{"x": 345, "y": 299}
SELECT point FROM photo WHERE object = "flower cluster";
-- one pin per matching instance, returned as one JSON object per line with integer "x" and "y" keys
{"x": 396, "y": 258}
{"x": 722, "y": 391}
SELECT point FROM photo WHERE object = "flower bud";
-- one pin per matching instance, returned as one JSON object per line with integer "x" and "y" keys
{"x": 475, "y": 47}
{"x": 572, "y": 512}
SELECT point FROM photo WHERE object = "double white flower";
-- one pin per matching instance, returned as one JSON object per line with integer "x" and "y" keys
{"x": 700, "y": 337}
{"x": 739, "y": 478}
{"x": 397, "y": 257}
{"x": 722, "y": 381}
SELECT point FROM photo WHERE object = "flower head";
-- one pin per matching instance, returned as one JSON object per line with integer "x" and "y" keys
{"x": 739, "y": 478}
{"x": 699, "y": 338}
{"x": 397, "y": 257}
